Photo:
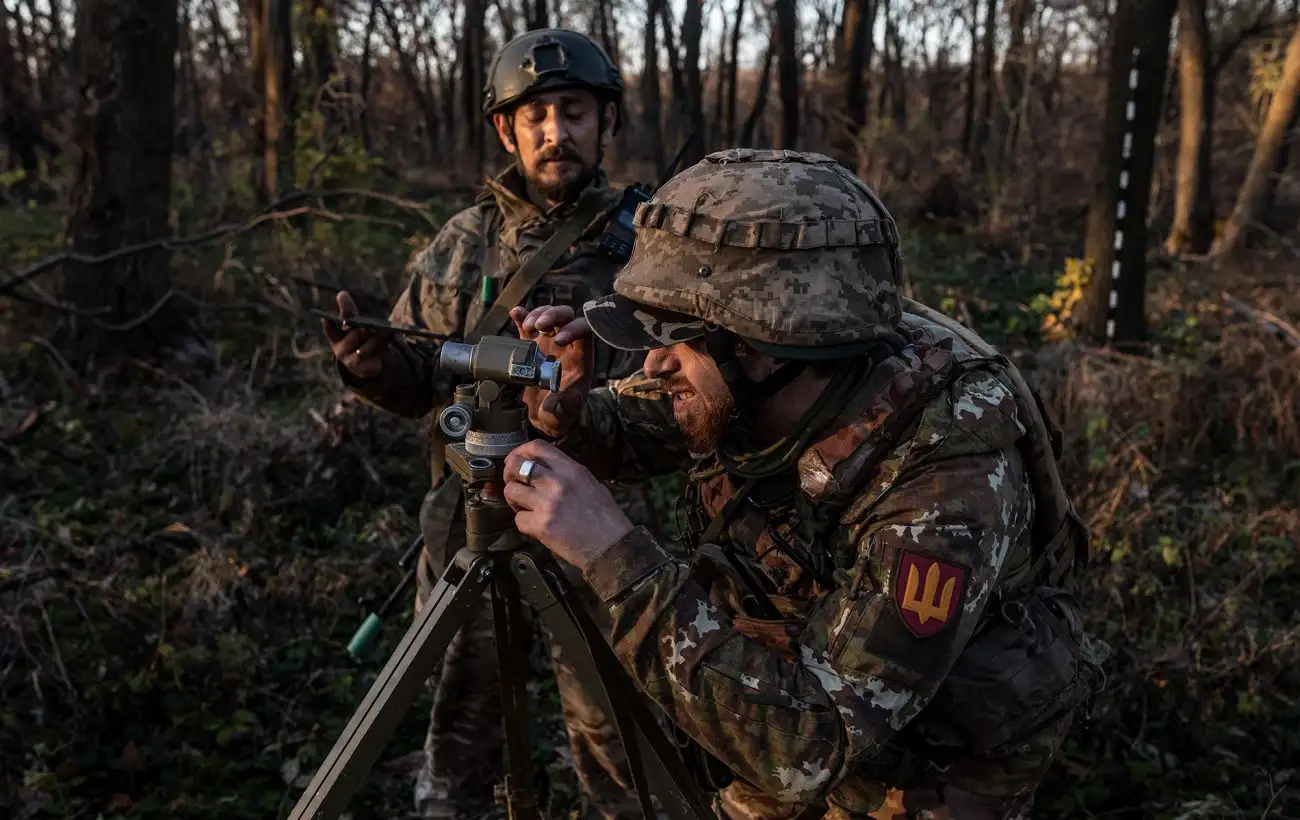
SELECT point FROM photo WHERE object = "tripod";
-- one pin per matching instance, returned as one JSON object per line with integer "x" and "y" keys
{"x": 490, "y": 417}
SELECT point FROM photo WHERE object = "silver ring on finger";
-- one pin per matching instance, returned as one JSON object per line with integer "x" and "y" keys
{"x": 526, "y": 471}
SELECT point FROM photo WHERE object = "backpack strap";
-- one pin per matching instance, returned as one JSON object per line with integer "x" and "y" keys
{"x": 590, "y": 205}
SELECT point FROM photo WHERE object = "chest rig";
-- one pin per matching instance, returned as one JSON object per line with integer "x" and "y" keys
{"x": 581, "y": 273}
{"x": 779, "y": 544}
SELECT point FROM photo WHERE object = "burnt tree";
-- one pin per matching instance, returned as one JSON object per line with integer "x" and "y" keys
{"x": 124, "y": 57}
{"x": 1113, "y": 308}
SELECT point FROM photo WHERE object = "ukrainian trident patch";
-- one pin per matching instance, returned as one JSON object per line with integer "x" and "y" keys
{"x": 927, "y": 593}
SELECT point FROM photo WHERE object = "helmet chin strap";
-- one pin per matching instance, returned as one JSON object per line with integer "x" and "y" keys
{"x": 748, "y": 396}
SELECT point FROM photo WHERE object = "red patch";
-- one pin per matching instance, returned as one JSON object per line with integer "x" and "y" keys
{"x": 927, "y": 593}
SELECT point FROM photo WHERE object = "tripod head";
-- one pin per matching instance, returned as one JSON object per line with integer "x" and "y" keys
{"x": 488, "y": 419}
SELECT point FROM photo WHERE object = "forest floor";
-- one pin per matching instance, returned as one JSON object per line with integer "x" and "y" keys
{"x": 181, "y": 559}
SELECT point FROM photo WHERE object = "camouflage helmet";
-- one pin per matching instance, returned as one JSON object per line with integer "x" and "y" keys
{"x": 788, "y": 251}
{"x": 550, "y": 59}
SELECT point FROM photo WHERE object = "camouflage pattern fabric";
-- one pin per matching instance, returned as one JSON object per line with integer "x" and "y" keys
{"x": 936, "y": 675}
{"x": 717, "y": 246}
{"x": 465, "y": 746}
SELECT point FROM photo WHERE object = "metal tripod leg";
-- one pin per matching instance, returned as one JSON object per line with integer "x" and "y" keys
{"x": 453, "y": 602}
{"x": 511, "y": 632}
{"x": 544, "y": 586}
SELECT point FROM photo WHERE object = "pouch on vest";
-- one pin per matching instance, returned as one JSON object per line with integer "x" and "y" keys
{"x": 1021, "y": 672}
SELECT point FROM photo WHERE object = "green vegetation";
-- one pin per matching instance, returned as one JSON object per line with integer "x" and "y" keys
{"x": 180, "y": 559}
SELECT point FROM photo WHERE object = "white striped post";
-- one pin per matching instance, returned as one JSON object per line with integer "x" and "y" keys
{"x": 1121, "y": 207}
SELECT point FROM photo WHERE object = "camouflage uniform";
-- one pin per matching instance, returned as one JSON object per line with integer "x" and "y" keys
{"x": 894, "y": 641}
{"x": 491, "y": 240}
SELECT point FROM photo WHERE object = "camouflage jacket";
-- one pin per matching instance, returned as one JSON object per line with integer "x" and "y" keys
{"x": 445, "y": 292}
{"x": 905, "y": 661}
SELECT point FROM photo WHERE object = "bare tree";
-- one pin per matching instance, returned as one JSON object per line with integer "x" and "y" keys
{"x": 733, "y": 63}
{"x": 1193, "y": 226}
{"x": 692, "y": 32}
{"x": 650, "y": 91}
{"x": 1248, "y": 209}
{"x": 125, "y": 60}
{"x": 788, "y": 69}
{"x": 849, "y": 77}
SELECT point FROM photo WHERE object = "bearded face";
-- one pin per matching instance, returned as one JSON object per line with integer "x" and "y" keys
{"x": 702, "y": 403}
{"x": 559, "y": 138}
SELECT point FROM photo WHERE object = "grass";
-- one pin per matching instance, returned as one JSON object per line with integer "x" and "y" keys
{"x": 180, "y": 560}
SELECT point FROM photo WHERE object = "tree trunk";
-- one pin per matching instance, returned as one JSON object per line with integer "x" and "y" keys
{"x": 732, "y": 72}
{"x": 760, "y": 94}
{"x": 371, "y": 18}
{"x": 679, "y": 107}
{"x": 651, "y": 95}
{"x": 849, "y": 79}
{"x": 972, "y": 70}
{"x": 1281, "y": 163}
{"x": 278, "y": 97}
{"x": 1250, "y": 199}
{"x": 255, "y": 23}
{"x": 988, "y": 53}
{"x": 692, "y": 32}
{"x": 717, "y": 128}
{"x": 125, "y": 58}
{"x": 472, "y": 71}
{"x": 786, "y": 24}
{"x": 1015, "y": 72}
{"x": 19, "y": 124}
{"x": 1193, "y": 228}
{"x": 1113, "y": 308}
{"x": 538, "y": 17}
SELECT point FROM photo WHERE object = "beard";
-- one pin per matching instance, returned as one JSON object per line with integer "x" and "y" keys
{"x": 703, "y": 418}
{"x": 561, "y": 183}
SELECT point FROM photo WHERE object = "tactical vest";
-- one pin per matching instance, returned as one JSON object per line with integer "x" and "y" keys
{"x": 583, "y": 273}
{"x": 790, "y": 533}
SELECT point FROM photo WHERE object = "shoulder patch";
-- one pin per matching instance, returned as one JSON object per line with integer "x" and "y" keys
{"x": 927, "y": 592}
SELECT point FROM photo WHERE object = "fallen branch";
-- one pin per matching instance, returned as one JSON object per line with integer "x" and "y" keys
{"x": 227, "y": 231}
{"x": 1283, "y": 328}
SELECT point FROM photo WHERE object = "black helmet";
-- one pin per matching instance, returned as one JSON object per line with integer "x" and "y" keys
{"x": 546, "y": 59}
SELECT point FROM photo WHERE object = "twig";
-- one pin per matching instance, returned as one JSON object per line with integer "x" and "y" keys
{"x": 1265, "y": 317}
{"x": 272, "y": 211}
{"x": 58, "y": 656}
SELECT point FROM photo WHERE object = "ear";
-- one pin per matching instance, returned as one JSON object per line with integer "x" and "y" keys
{"x": 610, "y": 117}
{"x": 757, "y": 366}
{"x": 504, "y": 131}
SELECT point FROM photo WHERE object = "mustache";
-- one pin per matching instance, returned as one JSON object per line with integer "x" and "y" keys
{"x": 557, "y": 153}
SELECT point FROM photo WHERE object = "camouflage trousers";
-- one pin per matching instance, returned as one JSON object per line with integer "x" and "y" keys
{"x": 465, "y": 744}
{"x": 1006, "y": 783}
{"x": 740, "y": 801}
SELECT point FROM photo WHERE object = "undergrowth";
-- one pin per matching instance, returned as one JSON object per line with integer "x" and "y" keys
{"x": 180, "y": 561}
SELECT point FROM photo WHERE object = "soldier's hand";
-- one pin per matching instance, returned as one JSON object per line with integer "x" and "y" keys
{"x": 561, "y": 504}
{"x": 558, "y": 332}
{"x": 361, "y": 352}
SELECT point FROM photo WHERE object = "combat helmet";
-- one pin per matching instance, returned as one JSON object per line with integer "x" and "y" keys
{"x": 550, "y": 59}
{"x": 788, "y": 252}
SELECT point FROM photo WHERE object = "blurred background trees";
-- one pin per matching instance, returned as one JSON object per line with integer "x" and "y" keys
{"x": 1108, "y": 190}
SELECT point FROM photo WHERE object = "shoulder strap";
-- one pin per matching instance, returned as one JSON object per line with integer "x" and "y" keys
{"x": 589, "y": 206}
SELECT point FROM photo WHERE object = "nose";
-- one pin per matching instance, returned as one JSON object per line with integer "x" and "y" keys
{"x": 660, "y": 362}
{"x": 556, "y": 130}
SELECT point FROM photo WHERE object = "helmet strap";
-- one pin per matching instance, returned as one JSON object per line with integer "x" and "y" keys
{"x": 747, "y": 395}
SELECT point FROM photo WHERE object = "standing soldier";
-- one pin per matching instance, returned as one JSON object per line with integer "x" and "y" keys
{"x": 546, "y": 231}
